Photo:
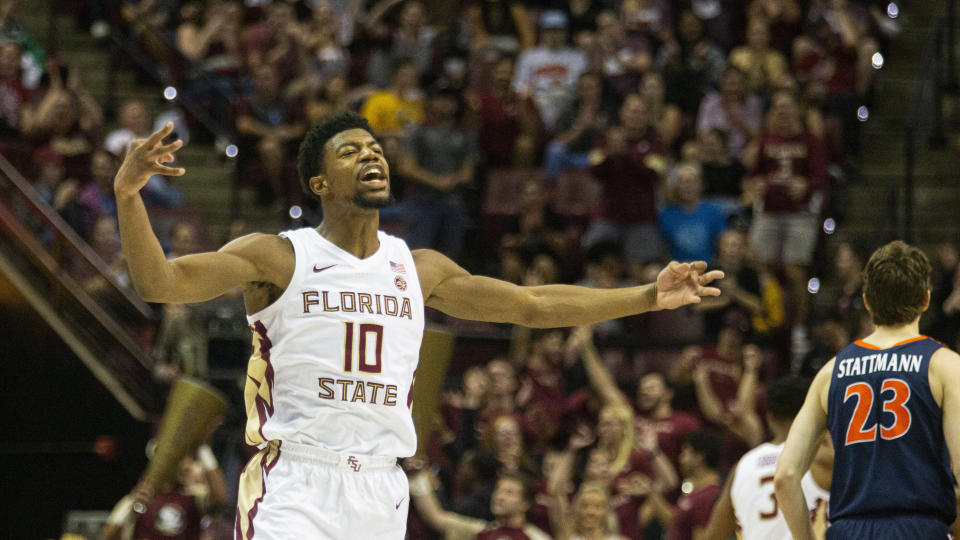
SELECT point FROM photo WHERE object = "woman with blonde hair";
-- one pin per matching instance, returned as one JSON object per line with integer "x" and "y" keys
{"x": 591, "y": 518}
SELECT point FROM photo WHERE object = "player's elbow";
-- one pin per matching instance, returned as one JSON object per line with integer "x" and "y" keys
{"x": 785, "y": 478}
{"x": 147, "y": 291}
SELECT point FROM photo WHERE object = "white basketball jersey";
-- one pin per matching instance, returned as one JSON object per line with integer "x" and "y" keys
{"x": 334, "y": 357}
{"x": 753, "y": 498}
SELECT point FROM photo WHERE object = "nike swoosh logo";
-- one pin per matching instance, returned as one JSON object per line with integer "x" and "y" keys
{"x": 399, "y": 503}
{"x": 315, "y": 269}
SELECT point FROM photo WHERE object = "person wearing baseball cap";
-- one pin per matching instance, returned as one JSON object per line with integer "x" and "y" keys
{"x": 550, "y": 70}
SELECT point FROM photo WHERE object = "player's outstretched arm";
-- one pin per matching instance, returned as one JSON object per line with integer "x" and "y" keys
{"x": 193, "y": 278}
{"x": 454, "y": 291}
{"x": 798, "y": 453}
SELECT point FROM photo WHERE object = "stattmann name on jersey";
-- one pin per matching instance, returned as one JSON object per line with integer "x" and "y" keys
{"x": 872, "y": 363}
{"x": 354, "y": 302}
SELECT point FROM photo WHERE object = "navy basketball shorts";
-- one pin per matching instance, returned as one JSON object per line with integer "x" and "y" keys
{"x": 889, "y": 528}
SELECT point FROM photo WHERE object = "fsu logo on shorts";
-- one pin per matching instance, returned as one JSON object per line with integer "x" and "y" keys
{"x": 400, "y": 283}
{"x": 353, "y": 463}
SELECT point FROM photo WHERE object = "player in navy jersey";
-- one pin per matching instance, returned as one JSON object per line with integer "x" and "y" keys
{"x": 891, "y": 402}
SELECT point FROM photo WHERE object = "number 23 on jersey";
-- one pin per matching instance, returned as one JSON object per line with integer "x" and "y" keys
{"x": 895, "y": 394}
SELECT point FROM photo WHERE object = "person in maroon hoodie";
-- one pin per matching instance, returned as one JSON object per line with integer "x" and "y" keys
{"x": 788, "y": 177}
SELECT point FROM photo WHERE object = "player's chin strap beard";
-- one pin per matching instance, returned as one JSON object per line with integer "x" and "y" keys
{"x": 373, "y": 204}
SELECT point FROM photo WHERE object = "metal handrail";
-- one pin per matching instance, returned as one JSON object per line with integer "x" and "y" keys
{"x": 65, "y": 231}
{"x": 129, "y": 45}
{"x": 109, "y": 332}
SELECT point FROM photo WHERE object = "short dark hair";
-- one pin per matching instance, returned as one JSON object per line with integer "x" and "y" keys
{"x": 706, "y": 443}
{"x": 895, "y": 283}
{"x": 785, "y": 396}
{"x": 529, "y": 491}
{"x": 310, "y": 156}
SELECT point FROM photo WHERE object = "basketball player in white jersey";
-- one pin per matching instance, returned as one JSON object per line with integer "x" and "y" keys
{"x": 338, "y": 314}
{"x": 748, "y": 499}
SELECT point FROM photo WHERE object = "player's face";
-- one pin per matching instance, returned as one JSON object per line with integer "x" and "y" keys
{"x": 507, "y": 498}
{"x": 356, "y": 169}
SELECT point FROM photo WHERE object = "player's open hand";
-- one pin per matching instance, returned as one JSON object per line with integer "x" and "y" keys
{"x": 680, "y": 284}
{"x": 144, "y": 159}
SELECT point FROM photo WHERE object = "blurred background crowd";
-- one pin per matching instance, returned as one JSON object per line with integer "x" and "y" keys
{"x": 538, "y": 141}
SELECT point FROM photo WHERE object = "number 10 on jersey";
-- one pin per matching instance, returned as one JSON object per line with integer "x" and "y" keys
{"x": 362, "y": 331}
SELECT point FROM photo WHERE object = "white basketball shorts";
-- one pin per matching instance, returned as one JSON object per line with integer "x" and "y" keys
{"x": 294, "y": 491}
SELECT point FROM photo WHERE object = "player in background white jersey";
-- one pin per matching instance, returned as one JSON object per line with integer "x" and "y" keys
{"x": 748, "y": 501}
{"x": 337, "y": 479}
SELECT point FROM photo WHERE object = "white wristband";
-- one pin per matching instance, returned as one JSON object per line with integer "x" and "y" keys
{"x": 420, "y": 485}
{"x": 206, "y": 458}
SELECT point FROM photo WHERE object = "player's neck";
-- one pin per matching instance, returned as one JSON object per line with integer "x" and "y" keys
{"x": 353, "y": 232}
{"x": 888, "y": 336}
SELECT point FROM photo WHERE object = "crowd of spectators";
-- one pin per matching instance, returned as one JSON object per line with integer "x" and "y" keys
{"x": 585, "y": 141}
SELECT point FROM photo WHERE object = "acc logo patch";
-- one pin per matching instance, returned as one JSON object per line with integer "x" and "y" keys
{"x": 400, "y": 283}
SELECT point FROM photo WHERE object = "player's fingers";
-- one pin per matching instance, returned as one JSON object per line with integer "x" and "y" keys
{"x": 711, "y": 276}
{"x": 699, "y": 266}
{"x": 167, "y": 148}
{"x": 708, "y": 291}
{"x": 169, "y": 171}
{"x": 158, "y": 135}
{"x": 679, "y": 268}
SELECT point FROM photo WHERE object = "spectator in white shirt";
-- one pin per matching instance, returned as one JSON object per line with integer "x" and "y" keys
{"x": 549, "y": 71}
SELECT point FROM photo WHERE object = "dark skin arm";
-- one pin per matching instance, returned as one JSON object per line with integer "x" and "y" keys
{"x": 261, "y": 263}
{"x": 723, "y": 522}
{"x": 454, "y": 291}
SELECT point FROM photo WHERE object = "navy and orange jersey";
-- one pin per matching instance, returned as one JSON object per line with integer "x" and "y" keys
{"x": 891, "y": 456}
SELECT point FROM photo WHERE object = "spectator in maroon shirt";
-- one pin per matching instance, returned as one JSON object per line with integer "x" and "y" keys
{"x": 274, "y": 42}
{"x": 629, "y": 162}
{"x": 788, "y": 176}
{"x": 701, "y": 487}
{"x": 654, "y": 402}
{"x": 66, "y": 119}
{"x": 509, "y": 123}
{"x": 834, "y": 62}
{"x": 636, "y": 461}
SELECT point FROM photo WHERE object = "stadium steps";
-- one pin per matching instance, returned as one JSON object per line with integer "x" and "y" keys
{"x": 882, "y": 163}
{"x": 207, "y": 184}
